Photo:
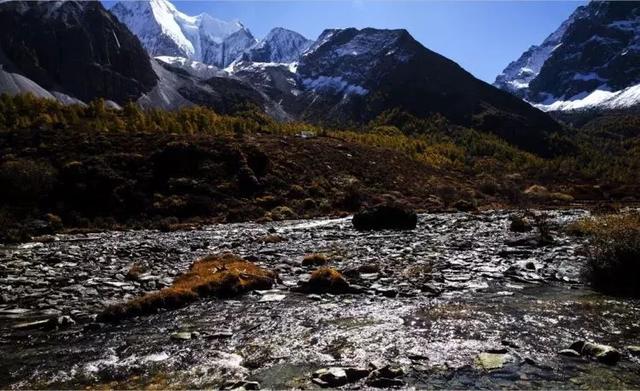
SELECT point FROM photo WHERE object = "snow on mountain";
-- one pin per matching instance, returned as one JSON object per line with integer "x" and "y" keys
{"x": 279, "y": 46}
{"x": 230, "y": 49}
{"x": 591, "y": 61}
{"x": 343, "y": 60}
{"x": 516, "y": 77}
{"x": 193, "y": 68}
{"x": 165, "y": 31}
{"x": 598, "y": 99}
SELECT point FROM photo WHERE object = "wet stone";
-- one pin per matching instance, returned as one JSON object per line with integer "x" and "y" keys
{"x": 569, "y": 353}
{"x": 634, "y": 350}
{"x": 182, "y": 336}
{"x": 219, "y": 334}
{"x": 330, "y": 377}
{"x": 385, "y": 377}
{"x": 603, "y": 353}
{"x": 383, "y": 382}
{"x": 241, "y": 385}
{"x": 38, "y": 324}
{"x": 490, "y": 361}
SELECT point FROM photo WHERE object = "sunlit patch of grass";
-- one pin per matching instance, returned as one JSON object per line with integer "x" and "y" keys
{"x": 218, "y": 276}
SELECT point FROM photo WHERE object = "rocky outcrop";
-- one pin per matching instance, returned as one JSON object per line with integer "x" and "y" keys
{"x": 77, "y": 48}
{"x": 385, "y": 217}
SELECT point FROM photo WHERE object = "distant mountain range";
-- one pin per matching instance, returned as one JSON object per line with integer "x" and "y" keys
{"x": 592, "y": 62}
{"x": 77, "y": 51}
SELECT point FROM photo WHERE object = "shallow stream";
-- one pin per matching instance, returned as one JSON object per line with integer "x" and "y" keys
{"x": 458, "y": 286}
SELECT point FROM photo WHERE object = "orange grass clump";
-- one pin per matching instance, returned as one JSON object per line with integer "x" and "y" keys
{"x": 327, "y": 280}
{"x": 314, "y": 260}
{"x": 218, "y": 276}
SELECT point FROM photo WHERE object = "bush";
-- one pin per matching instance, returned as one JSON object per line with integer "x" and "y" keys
{"x": 327, "y": 280}
{"x": 314, "y": 260}
{"x": 26, "y": 181}
{"x": 613, "y": 252}
{"x": 385, "y": 216}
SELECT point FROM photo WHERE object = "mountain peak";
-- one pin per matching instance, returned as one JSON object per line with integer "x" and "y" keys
{"x": 166, "y": 31}
{"x": 75, "y": 48}
{"x": 280, "y": 45}
{"x": 593, "y": 56}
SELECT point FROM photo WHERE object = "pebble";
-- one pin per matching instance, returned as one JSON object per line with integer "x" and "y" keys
{"x": 634, "y": 350}
{"x": 569, "y": 353}
{"x": 182, "y": 336}
{"x": 330, "y": 377}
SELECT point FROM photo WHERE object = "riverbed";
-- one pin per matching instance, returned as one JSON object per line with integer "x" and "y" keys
{"x": 435, "y": 303}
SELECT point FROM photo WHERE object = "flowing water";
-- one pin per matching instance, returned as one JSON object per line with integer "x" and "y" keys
{"x": 457, "y": 287}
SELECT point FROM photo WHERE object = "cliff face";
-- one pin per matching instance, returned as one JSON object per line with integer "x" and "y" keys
{"x": 77, "y": 48}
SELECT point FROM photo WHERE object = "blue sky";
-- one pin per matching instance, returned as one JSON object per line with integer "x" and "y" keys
{"x": 481, "y": 36}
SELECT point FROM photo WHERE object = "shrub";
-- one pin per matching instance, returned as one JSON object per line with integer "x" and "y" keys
{"x": 519, "y": 224}
{"x": 314, "y": 260}
{"x": 271, "y": 239}
{"x": 385, "y": 216}
{"x": 613, "y": 252}
{"x": 283, "y": 213}
{"x": 327, "y": 280}
{"x": 25, "y": 181}
{"x": 489, "y": 186}
{"x": 134, "y": 272}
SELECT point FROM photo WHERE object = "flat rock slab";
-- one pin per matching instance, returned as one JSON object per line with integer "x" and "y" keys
{"x": 491, "y": 361}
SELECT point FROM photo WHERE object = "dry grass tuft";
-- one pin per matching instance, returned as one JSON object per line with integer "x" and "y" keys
{"x": 218, "y": 276}
{"x": 271, "y": 239}
{"x": 134, "y": 272}
{"x": 327, "y": 280}
{"x": 613, "y": 251}
{"x": 314, "y": 260}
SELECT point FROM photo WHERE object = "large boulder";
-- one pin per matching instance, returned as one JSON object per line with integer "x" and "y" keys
{"x": 603, "y": 353}
{"x": 385, "y": 217}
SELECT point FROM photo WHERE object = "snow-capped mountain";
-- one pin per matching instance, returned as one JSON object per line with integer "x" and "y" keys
{"x": 279, "y": 46}
{"x": 351, "y": 76}
{"x": 516, "y": 77}
{"x": 347, "y": 60}
{"x": 165, "y": 31}
{"x": 591, "y": 62}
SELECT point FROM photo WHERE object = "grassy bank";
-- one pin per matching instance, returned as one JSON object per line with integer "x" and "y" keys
{"x": 72, "y": 167}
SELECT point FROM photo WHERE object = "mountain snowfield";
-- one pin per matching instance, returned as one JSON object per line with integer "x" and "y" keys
{"x": 592, "y": 61}
{"x": 165, "y": 31}
{"x": 598, "y": 99}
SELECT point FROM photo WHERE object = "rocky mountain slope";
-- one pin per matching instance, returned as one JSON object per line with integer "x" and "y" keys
{"x": 591, "y": 62}
{"x": 279, "y": 46}
{"x": 71, "y": 48}
{"x": 165, "y": 31}
{"x": 350, "y": 76}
